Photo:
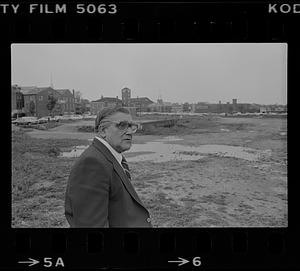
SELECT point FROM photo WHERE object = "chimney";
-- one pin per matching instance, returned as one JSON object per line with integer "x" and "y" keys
{"x": 73, "y": 93}
{"x": 101, "y": 96}
{"x": 117, "y": 97}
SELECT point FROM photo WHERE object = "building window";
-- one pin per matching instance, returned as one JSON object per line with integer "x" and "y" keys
{"x": 40, "y": 98}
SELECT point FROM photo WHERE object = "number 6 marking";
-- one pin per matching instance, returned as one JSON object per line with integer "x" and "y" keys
{"x": 196, "y": 261}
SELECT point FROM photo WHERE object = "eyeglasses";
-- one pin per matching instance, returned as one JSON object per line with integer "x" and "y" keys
{"x": 124, "y": 125}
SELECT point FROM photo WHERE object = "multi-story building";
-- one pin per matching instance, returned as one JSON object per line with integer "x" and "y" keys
{"x": 140, "y": 103}
{"x": 200, "y": 107}
{"x": 104, "y": 102}
{"x": 67, "y": 101}
{"x": 36, "y": 100}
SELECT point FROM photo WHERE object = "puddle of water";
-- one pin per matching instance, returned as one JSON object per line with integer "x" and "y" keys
{"x": 169, "y": 138}
{"x": 75, "y": 152}
{"x": 157, "y": 151}
{"x": 162, "y": 152}
{"x": 169, "y": 152}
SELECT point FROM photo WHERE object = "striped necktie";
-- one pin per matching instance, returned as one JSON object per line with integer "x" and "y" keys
{"x": 126, "y": 167}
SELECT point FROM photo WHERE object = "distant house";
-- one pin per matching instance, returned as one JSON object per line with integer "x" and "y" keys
{"x": 104, "y": 102}
{"x": 36, "y": 100}
{"x": 177, "y": 108}
{"x": 265, "y": 109}
{"x": 278, "y": 108}
{"x": 200, "y": 107}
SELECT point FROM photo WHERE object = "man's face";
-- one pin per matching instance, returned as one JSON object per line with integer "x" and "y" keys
{"x": 120, "y": 140}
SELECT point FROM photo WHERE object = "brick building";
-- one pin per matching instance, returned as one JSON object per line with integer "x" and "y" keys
{"x": 67, "y": 100}
{"x": 36, "y": 100}
{"x": 98, "y": 105}
{"x": 140, "y": 103}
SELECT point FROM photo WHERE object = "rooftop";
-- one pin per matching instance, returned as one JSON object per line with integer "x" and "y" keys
{"x": 141, "y": 99}
{"x": 108, "y": 99}
{"x": 64, "y": 91}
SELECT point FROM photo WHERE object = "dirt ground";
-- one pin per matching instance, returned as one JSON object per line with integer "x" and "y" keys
{"x": 215, "y": 191}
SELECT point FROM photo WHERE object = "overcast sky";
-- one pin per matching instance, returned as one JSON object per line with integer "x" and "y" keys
{"x": 252, "y": 73}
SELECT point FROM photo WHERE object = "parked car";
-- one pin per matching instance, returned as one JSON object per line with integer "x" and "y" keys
{"x": 18, "y": 115}
{"x": 26, "y": 121}
{"x": 65, "y": 117}
{"x": 48, "y": 118}
{"x": 43, "y": 120}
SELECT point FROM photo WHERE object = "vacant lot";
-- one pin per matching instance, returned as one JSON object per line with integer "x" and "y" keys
{"x": 211, "y": 191}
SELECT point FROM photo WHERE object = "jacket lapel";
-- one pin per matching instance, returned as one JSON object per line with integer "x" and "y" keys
{"x": 119, "y": 170}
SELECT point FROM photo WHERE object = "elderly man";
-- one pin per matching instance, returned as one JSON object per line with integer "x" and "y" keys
{"x": 99, "y": 191}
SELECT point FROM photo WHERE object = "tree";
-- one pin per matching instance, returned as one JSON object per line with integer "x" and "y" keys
{"x": 51, "y": 103}
{"x": 32, "y": 107}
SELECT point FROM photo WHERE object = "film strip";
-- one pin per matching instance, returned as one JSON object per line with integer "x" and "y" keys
{"x": 161, "y": 248}
{"x": 152, "y": 22}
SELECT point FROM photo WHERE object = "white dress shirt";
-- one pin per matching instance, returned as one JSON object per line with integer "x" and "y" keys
{"x": 116, "y": 154}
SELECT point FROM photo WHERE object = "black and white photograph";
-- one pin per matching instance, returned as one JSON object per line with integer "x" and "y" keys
{"x": 150, "y": 135}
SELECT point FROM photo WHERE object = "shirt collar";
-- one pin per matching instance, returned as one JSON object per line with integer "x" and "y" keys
{"x": 117, "y": 155}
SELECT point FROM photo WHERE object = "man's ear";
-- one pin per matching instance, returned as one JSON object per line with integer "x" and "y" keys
{"x": 101, "y": 131}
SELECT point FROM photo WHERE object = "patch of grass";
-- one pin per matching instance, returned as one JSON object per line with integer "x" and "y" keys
{"x": 186, "y": 125}
{"x": 189, "y": 152}
{"x": 39, "y": 180}
{"x": 86, "y": 128}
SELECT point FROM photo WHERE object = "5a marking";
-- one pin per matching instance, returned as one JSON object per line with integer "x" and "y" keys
{"x": 48, "y": 262}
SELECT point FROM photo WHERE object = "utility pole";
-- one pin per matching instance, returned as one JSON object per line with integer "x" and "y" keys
{"x": 51, "y": 82}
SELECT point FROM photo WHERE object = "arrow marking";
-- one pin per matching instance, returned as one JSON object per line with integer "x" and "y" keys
{"x": 32, "y": 261}
{"x": 181, "y": 261}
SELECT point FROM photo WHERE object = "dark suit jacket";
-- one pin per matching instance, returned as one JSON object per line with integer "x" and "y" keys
{"x": 99, "y": 194}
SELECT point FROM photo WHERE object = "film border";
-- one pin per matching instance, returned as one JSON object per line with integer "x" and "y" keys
{"x": 221, "y": 21}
